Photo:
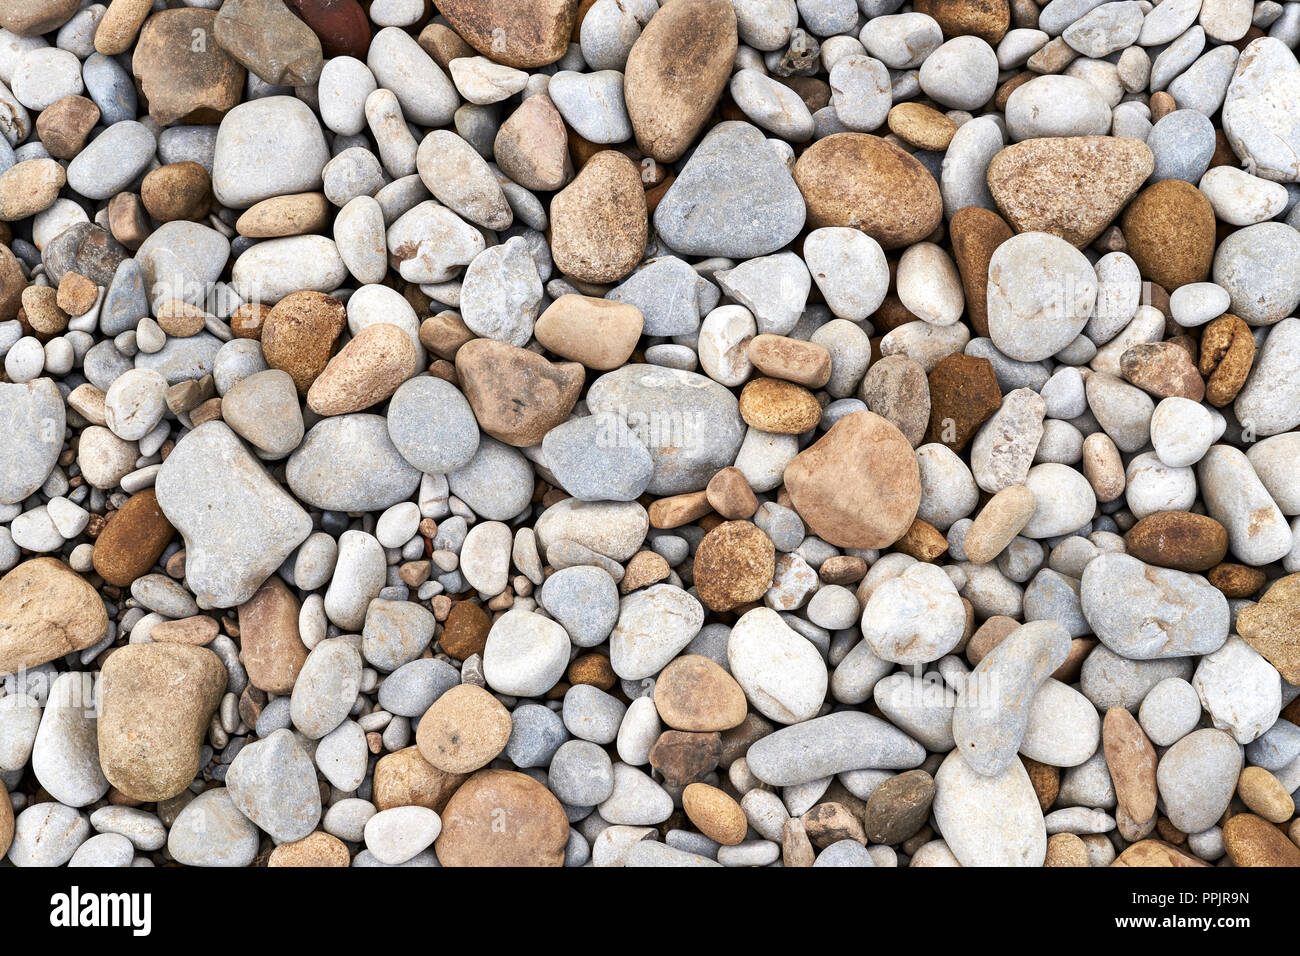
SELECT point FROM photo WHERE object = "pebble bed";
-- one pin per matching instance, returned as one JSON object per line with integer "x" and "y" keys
{"x": 614, "y": 433}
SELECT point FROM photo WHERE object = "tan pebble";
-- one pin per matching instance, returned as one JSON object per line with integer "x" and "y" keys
{"x": 1227, "y": 356}
{"x": 1270, "y": 627}
{"x": 693, "y": 693}
{"x": 1131, "y": 760}
{"x": 464, "y": 730}
{"x": 1265, "y": 795}
{"x": 677, "y": 510}
{"x": 293, "y": 215}
{"x": 1253, "y": 841}
{"x": 472, "y": 834}
{"x": 1066, "y": 849}
{"x": 183, "y": 81}
{"x": 922, "y": 541}
{"x": 47, "y": 610}
{"x": 1045, "y": 779}
{"x": 77, "y": 294}
{"x": 643, "y": 569}
{"x": 796, "y": 848}
{"x": 128, "y": 221}
{"x": 522, "y": 34}
{"x": 921, "y": 126}
{"x": 315, "y": 849}
{"x": 1164, "y": 369}
{"x": 120, "y": 24}
{"x": 405, "y": 779}
{"x": 1170, "y": 231}
{"x": 998, "y": 523}
{"x": 1103, "y": 467}
{"x": 40, "y": 303}
{"x": 862, "y": 181}
{"x": 180, "y": 319}
{"x": 779, "y": 407}
{"x": 198, "y": 630}
{"x": 593, "y": 669}
{"x": 1156, "y": 853}
{"x": 443, "y": 334}
{"x": 29, "y": 187}
{"x": 599, "y": 221}
{"x": 830, "y": 822}
{"x": 206, "y": 412}
{"x": 365, "y": 371}
{"x": 990, "y": 634}
{"x": 599, "y": 333}
{"x": 804, "y": 363}
{"x": 1162, "y": 104}
{"x": 248, "y": 319}
{"x": 443, "y": 44}
{"x": 843, "y": 569}
{"x": 729, "y": 494}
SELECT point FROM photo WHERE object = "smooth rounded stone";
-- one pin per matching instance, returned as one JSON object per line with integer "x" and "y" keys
{"x": 824, "y": 746}
{"x": 961, "y": 74}
{"x": 430, "y": 243}
{"x": 963, "y": 181}
{"x": 1240, "y": 198}
{"x": 536, "y": 734}
{"x": 668, "y": 293}
{"x": 267, "y": 147}
{"x": 849, "y": 268}
{"x": 592, "y": 104}
{"x": 275, "y": 268}
{"x": 20, "y": 718}
{"x": 235, "y": 361}
{"x": 844, "y": 853}
{"x": 723, "y": 345}
{"x": 263, "y": 410}
{"x": 104, "y": 849}
{"x": 1109, "y": 680}
{"x": 398, "y": 834}
{"x": 47, "y": 834}
{"x": 781, "y": 672}
{"x": 995, "y": 703}
{"x": 636, "y": 800}
{"x": 1063, "y": 729}
{"x": 734, "y": 197}
{"x": 211, "y": 831}
{"x": 360, "y": 240}
{"x": 1040, "y": 295}
{"x": 526, "y": 654}
{"x": 111, "y": 161}
{"x": 357, "y": 577}
{"x": 1183, "y": 143}
{"x": 653, "y": 627}
{"x": 411, "y": 689}
{"x": 497, "y": 481}
{"x": 651, "y": 853}
{"x": 326, "y": 688}
{"x": 1013, "y": 834}
{"x": 614, "y": 529}
{"x": 65, "y": 752}
{"x": 398, "y": 63}
{"x": 901, "y": 41}
{"x": 1239, "y": 689}
{"x": 914, "y": 618}
{"x": 1170, "y": 711}
{"x": 1145, "y": 612}
{"x": 33, "y": 451}
{"x": 1056, "y": 106}
{"x": 1153, "y": 487}
{"x": 1065, "y": 500}
{"x": 273, "y": 782}
{"x": 460, "y": 179}
{"x": 395, "y": 633}
{"x": 1276, "y": 461}
{"x": 772, "y": 105}
{"x": 1269, "y": 402}
{"x": 1105, "y": 29}
{"x": 348, "y": 463}
{"x": 690, "y": 424}
{"x": 181, "y": 260}
{"x": 591, "y": 714}
{"x": 581, "y": 774}
{"x": 584, "y": 600}
{"x": 135, "y": 404}
{"x": 1181, "y": 431}
{"x": 1257, "y": 266}
{"x": 485, "y": 557}
{"x": 1259, "y": 107}
{"x": 1196, "y": 778}
{"x": 345, "y": 83}
{"x": 1236, "y": 498}
{"x": 143, "y": 830}
{"x": 598, "y": 458}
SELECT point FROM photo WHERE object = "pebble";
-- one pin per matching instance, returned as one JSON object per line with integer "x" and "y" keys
{"x": 1013, "y": 836}
{"x": 1197, "y": 777}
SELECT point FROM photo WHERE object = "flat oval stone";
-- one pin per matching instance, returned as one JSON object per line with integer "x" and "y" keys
{"x": 348, "y": 463}
{"x": 824, "y": 746}
{"x": 1143, "y": 612}
{"x": 1197, "y": 777}
{"x": 471, "y": 835}
{"x": 780, "y": 671}
{"x": 32, "y": 427}
{"x": 267, "y": 147}
{"x": 653, "y": 627}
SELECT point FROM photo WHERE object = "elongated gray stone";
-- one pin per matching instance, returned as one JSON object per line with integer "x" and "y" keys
{"x": 994, "y": 704}
{"x": 32, "y": 422}
{"x": 846, "y": 740}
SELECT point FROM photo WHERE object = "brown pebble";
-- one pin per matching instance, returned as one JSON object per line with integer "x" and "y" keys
{"x": 804, "y": 363}
{"x": 1045, "y": 779}
{"x": 299, "y": 333}
{"x": 693, "y": 693}
{"x": 593, "y": 669}
{"x": 599, "y": 221}
{"x": 64, "y": 125}
{"x": 315, "y": 849}
{"x": 1265, "y": 795}
{"x": 899, "y": 807}
{"x": 133, "y": 540}
{"x": 532, "y": 147}
{"x": 643, "y": 569}
{"x": 830, "y": 822}
{"x": 730, "y": 496}
{"x": 1237, "y": 580}
{"x": 365, "y": 372}
{"x": 1178, "y": 539}
{"x": 178, "y": 191}
{"x": 127, "y": 220}
{"x": 896, "y": 389}
{"x": 405, "y": 779}
{"x": 1155, "y": 853}
{"x": 922, "y": 541}
{"x": 198, "y": 630}
{"x": 1253, "y": 841}
{"x": 682, "y": 757}
{"x": 292, "y": 215}
{"x": 185, "y": 82}
{"x": 443, "y": 334}
{"x": 271, "y": 649}
{"x": 599, "y": 333}
{"x": 986, "y": 19}
{"x": 990, "y": 634}
{"x": 843, "y": 569}
{"x": 179, "y": 319}
{"x": 677, "y": 510}
{"x": 77, "y": 294}
{"x": 517, "y": 395}
{"x": 40, "y": 303}
{"x": 444, "y": 44}
{"x": 921, "y": 126}
{"x": 1270, "y": 626}
{"x": 523, "y": 34}
{"x": 463, "y": 730}
{"x": 248, "y": 319}
{"x": 867, "y": 183}
{"x": 734, "y": 564}
{"x": 1227, "y": 356}
{"x": 714, "y": 814}
{"x": 1066, "y": 849}
{"x": 472, "y": 832}
{"x": 779, "y": 407}
{"x": 1131, "y": 760}
{"x": 465, "y": 633}
{"x": 976, "y": 233}
{"x": 796, "y": 848}
{"x": 964, "y": 394}
{"x": 1164, "y": 369}
{"x": 1170, "y": 233}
